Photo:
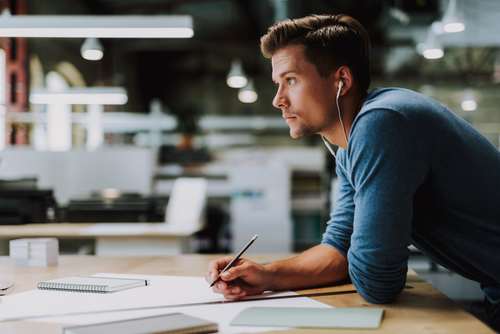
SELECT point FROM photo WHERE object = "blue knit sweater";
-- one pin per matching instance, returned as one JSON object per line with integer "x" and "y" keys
{"x": 415, "y": 173}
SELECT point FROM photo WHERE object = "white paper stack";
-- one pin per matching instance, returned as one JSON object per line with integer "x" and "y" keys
{"x": 39, "y": 252}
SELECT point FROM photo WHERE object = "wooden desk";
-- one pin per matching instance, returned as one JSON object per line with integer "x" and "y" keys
{"x": 111, "y": 239}
{"x": 420, "y": 309}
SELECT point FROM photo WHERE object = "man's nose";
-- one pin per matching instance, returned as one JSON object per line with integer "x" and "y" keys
{"x": 279, "y": 100}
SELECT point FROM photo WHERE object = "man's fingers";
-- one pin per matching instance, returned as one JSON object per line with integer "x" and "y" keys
{"x": 214, "y": 267}
{"x": 219, "y": 264}
{"x": 235, "y": 296}
{"x": 236, "y": 290}
{"x": 234, "y": 272}
{"x": 225, "y": 288}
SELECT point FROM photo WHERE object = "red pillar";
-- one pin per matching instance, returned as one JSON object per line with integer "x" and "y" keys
{"x": 16, "y": 76}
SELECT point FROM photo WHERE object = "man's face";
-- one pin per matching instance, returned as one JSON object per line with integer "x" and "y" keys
{"x": 306, "y": 100}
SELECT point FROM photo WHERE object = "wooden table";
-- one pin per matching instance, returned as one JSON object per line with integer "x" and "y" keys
{"x": 419, "y": 309}
{"x": 111, "y": 238}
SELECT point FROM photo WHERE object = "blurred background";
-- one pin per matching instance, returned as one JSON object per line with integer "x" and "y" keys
{"x": 97, "y": 128}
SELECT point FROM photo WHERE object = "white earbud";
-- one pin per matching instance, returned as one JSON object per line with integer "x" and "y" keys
{"x": 341, "y": 84}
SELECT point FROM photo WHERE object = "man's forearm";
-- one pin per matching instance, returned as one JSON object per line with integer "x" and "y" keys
{"x": 316, "y": 266}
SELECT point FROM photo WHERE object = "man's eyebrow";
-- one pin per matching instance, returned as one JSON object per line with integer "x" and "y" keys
{"x": 284, "y": 73}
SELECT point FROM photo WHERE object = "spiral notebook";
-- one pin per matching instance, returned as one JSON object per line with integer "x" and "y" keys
{"x": 92, "y": 284}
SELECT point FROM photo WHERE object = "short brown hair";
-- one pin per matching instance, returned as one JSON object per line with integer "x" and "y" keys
{"x": 330, "y": 41}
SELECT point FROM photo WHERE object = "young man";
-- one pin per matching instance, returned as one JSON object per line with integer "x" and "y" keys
{"x": 410, "y": 172}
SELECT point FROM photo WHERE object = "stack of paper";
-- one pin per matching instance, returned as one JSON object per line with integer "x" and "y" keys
{"x": 39, "y": 252}
{"x": 163, "y": 294}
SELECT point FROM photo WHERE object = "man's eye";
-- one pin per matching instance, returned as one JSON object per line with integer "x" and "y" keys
{"x": 290, "y": 81}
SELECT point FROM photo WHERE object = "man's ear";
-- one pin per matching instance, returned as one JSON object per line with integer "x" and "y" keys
{"x": 343, "y": 73}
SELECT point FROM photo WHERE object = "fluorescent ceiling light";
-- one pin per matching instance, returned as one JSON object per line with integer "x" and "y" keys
{"x": 236, "y": 78}
{"x": 92, "y": 49}
{"x": 102, "y": 26}
{"x": 94, "y": 95}
{"x": 248, "y": 93}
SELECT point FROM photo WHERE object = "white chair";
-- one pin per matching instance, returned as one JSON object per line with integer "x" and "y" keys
{"x": 184, "y": 217}
{"x": 185, "y": 208}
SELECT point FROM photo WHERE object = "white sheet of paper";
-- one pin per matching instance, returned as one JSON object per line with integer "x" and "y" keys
{"x": 223, "y": 314}
{"x": 163, "y": 290}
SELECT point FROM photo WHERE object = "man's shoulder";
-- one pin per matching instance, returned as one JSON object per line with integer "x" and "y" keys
{"x": 394, "y": 106}
{"x": 400, "y": 100}
{"x": 393, "y": 95}
{"x": 373, "y": 120}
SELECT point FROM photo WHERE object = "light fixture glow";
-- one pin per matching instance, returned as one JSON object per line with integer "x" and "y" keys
{"x": 431, "y": 48}
{"x": 102, "y": 26}
{"x": 236, "y": 78}
{"x": 452, "y": 27}
{"x": 92, "y": 49}
{"x": 468, "y": 105}
{"x": 93, "y": 95}
{"x": 468, "y": 102}
{"x": 248, "y": 94}
{"x": 452, "y": 21}
{"x": 433, "y": 53}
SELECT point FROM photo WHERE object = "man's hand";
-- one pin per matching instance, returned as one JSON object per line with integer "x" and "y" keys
{"x": 316, "y": 266}
{"x": 245, "y": 278}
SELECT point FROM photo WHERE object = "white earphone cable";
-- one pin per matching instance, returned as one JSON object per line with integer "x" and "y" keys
{"x": 340, "y": 113}
{"x": 327, "y": 144}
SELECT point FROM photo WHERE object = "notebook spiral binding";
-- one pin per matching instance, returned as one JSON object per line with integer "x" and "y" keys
{"x": 72, "y": 287}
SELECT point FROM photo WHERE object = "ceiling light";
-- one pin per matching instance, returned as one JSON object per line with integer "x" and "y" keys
{"x": 452, "y": 21}
{"x": 433, "y": 53}
{"x": 469, "y": 102}
{"x": 98, "y": 26}
{"x": 93, "y": 95}
{"x": 92, "y": 49}
{"x": 431, "y": 48}
{"x": 236, "y": 78}
{"x": 248, "y": 94}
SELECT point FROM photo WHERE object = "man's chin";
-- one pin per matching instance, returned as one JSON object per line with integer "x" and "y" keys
{"x": 296, "y": 134}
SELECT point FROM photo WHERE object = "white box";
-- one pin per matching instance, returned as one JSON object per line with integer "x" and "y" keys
{"x": 40, "y": 252}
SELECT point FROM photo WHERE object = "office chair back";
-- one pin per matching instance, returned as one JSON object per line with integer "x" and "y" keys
{"x": 187, "y": 202}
